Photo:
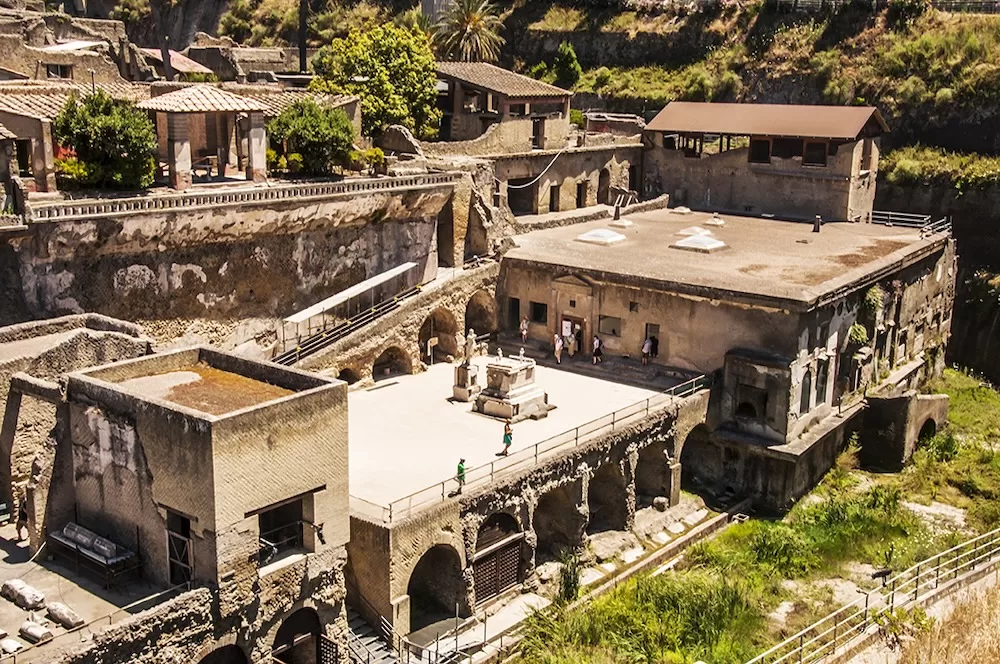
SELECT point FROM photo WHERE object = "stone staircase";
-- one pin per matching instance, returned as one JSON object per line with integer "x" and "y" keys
{"x": 365, "y": 644}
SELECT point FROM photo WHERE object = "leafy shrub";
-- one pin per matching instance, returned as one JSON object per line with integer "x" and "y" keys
{"x": 857, "y": 335}
{"x": 874, "y": 300}
{"x": 374, "y": 158}
{"x": 569, "y": 577}
{"x": 577, "y": 117}
{"x": 601, "y": 78}
{"x": 539, "y": 70}
{"x": 943, "y": 446}
{"x": 782, "y": 547}
{"x": 295, "y": 162}
{"x": 320, "y": 137}
{"x": 114, "y": 142}
{"x": 566, "y": 66}
{"x": 902, "y": 12}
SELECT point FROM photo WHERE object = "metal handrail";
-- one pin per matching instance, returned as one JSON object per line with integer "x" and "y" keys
{"x": 488, "y": 472}
{"x": 822, "y": 638}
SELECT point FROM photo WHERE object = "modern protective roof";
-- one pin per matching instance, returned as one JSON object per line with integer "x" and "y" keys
{"x": 491, "y": 78}
{"x": 179, "y": 62}
{"x": 275, "y": 101}
{"x": 838, "y": 122}
{"x": 201, "y": 99}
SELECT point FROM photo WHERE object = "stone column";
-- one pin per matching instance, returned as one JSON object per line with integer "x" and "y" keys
{"x": 43, "y": 159}
{"x": 257, "y": 157}
{"x": 222, "y": 141}
{"x": 673, "y": 481}
{"x": 7, "y": 432}
{"x": 179, "y": 150}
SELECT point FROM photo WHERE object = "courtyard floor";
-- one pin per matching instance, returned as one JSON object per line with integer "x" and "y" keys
{"x": 406, "y": 435}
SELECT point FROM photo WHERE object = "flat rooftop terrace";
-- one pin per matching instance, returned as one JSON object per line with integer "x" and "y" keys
{"x": 407, "y": 436}
{"x": 206, "y": 389}
{"x": 763, "y": 258}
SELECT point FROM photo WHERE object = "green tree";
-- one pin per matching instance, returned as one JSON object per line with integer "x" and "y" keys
{"x": 469, "y": 30}
{"x": 391, "y": 69}
{"x": 114, "y": 142}
{"x": 566, "y": 66}
{"x": 323, "y": 136}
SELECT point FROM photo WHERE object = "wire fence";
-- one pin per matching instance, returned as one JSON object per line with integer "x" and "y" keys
{"x": 526, "y": 458}
{"x": 824, "y": 637}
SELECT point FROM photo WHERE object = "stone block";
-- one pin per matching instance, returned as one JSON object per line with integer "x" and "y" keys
{"x": 660, "y": 503}
{"x": 9, "y": 646}
{"x": 63, "y": 615}
{"x": 32, "y": 632}
{"x": 22, "y": 594}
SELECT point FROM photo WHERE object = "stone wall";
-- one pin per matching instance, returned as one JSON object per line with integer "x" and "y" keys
{"x": 223, "y": 263}
{"x": 510, "y": 136}
{"x": 784, "y": 187}
{"x": 893, "y": 425}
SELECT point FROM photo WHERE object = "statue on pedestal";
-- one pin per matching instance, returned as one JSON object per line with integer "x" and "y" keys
{"x": 471, "y": 347}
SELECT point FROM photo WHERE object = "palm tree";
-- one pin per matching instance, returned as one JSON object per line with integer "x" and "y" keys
{"x": 469, "y": 30}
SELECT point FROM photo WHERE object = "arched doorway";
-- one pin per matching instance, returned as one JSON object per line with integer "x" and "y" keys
{"x": 349, "y": 376}
{"x": 296, "y": 640}
{"x": 225, "y": 655}
{"x": 436, "y": 587}
{"x": 392, "y": 362}
{"x": 604, "y": 187}
{"x": 928, "y": 430}
{"x": 496, "y": 565}
{"x": 481, "y": 313}
{"x": 652, "y": 473}
{"x": 440, "y": 325}
{"x": 606, "y": 500}
{"x": 557, "y": 522}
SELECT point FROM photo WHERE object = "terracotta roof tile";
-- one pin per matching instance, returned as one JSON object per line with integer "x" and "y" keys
{"x": 201, "y": 99}
{"x": 500, "y": 81}
{"x": 275, "y": 101}
{"x": 44, "y": 100}
{"x": 6, "y": 133}
{"x": 788, "y": 120}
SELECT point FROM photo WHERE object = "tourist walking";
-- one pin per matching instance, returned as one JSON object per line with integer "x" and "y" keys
{"x": 460, "y": 475}
{"x": 524, "y": 329}
{"x": 22, "y": 518}
{"x": 508, "y": 439}
{"x": 569, "y": 343}
{"x": 647, "y": 350}
{"x": 598, "y": 349}
{"x": 557, "y": 343}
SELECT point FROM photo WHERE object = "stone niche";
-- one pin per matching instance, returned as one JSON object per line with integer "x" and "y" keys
{"x": 511, "y": 392}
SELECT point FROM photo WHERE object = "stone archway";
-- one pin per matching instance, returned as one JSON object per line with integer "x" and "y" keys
{"x": 225, "y": 655}
{"x": 496, "y": 565}
{"x": 557, "y": 522}
{"x": 392, "y": 362}
{"x": 607, "y": 500}
{"x": 927, "y": 430}
{"x": 440, "y": 324}
{"x": 436, "y": 587}
{"x": 604, "y": 187}
{"x": 652, "y": 473}
{"x": 481, "y": 313}
{"x": 349, "y": 376}
{"x": 295, "y": 642}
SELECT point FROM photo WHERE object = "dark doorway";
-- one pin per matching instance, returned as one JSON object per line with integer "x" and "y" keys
{"x": 437, "y": 336}
{"x": 436, "y": 587}
{"x": 481, "y": 313}
{"x": 497, "y": 563}
{"x": 927, "y": 431}
{"x": 554, "y": 190}
{"x": 557, "y": 522}
{"x": 225, "y": 655}
{"x": 522, "y": 196}
{"x": 634, "y": 178}
{"x": 179, "y": 548}
{"x": 604, "y": 187}
{"x": 296, "y": 640}
{"x": 805, "y": 397}
{"x": 349, "y": 376}
{"x": 652, "y": 474}
{"x": 537, "y": 134}
{"x": 606, "y": 499}
{"x": 446, "y": 235}
{"x": 581, "y": 194}
{"x": 513, "y": 313}
{"x": 392, "y": 362}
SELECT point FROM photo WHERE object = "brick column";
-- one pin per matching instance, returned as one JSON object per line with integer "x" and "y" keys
{"x": 178, "y": 150}
{"x": 43, "y": 159}
{"x": 257, "y": 157}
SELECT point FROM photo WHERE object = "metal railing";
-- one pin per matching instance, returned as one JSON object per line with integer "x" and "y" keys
{"x": 927, "y": 224}
{"x": 526, "y": 458}
{"x": 240, "y": 195}
{"x": 825, "y": 636}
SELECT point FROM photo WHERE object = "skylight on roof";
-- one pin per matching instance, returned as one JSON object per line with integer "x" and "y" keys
{"x": 701, "y": 243}
{"x": 620, "y": 223}
{"x": 694, "y": 230}
{"x": 601, "y": 236}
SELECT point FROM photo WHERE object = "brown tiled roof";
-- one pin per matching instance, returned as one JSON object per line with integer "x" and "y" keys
{"x": 201, "y": 99}
{"x": 275, "y": 101}
{"x": 838, "y": 122}
{"x": 491, "y": 78}
{"x": 6, "y": 133}
{"x": 180, "y": 63}
{"x": 44, "y": 100}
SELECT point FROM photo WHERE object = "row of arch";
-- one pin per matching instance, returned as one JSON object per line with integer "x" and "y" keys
{"x": 441, "y": 323}
{"x": 294, "y": 643}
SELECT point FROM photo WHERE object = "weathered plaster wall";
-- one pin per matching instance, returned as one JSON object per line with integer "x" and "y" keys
{"x": 513, "y": 135}
{"x": 785, "y": 187}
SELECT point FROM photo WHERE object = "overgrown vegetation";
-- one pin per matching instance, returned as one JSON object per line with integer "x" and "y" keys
{"x": 391, "y": 69}
{"x": 276, "y": 22}
{"x": 715, "y": 607}
{"x": 922, "y": 166}
{"x": 322, "y": 138}
{"x": 469, "y": 30}
{"x": 967, "y": 636}
{"x": 105, "y": 143}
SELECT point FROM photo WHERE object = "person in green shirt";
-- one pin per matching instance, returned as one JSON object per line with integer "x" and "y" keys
{"x": 508, "y": 438}
{"x": 460, "y": 475}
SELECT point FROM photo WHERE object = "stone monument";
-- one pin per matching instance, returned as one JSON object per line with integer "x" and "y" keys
{"x": 467, "y": 374}
{"x": 511, "y": 392}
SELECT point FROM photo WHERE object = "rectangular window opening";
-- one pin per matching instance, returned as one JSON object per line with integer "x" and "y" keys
{"x": 633, "y": 307}
{"x": 59, "y": 71}
{"x": 281, "y": 530}
{"x": 760, "y": 151}
{"x": 815, "y": 154}
{"x": 539, "y": 312}
{"x": 581, "y": 194}
{"x": 609, "y": 325}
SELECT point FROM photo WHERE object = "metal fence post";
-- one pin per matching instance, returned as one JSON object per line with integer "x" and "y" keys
{"x": 916, "y": 584}
{"x": 892, "y": 597}
{"x": 937, "y": 574}
{"x": 801, "y": 637}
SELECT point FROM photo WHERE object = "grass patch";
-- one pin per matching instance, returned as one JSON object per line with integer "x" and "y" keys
{"x": 921, "y": 166}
